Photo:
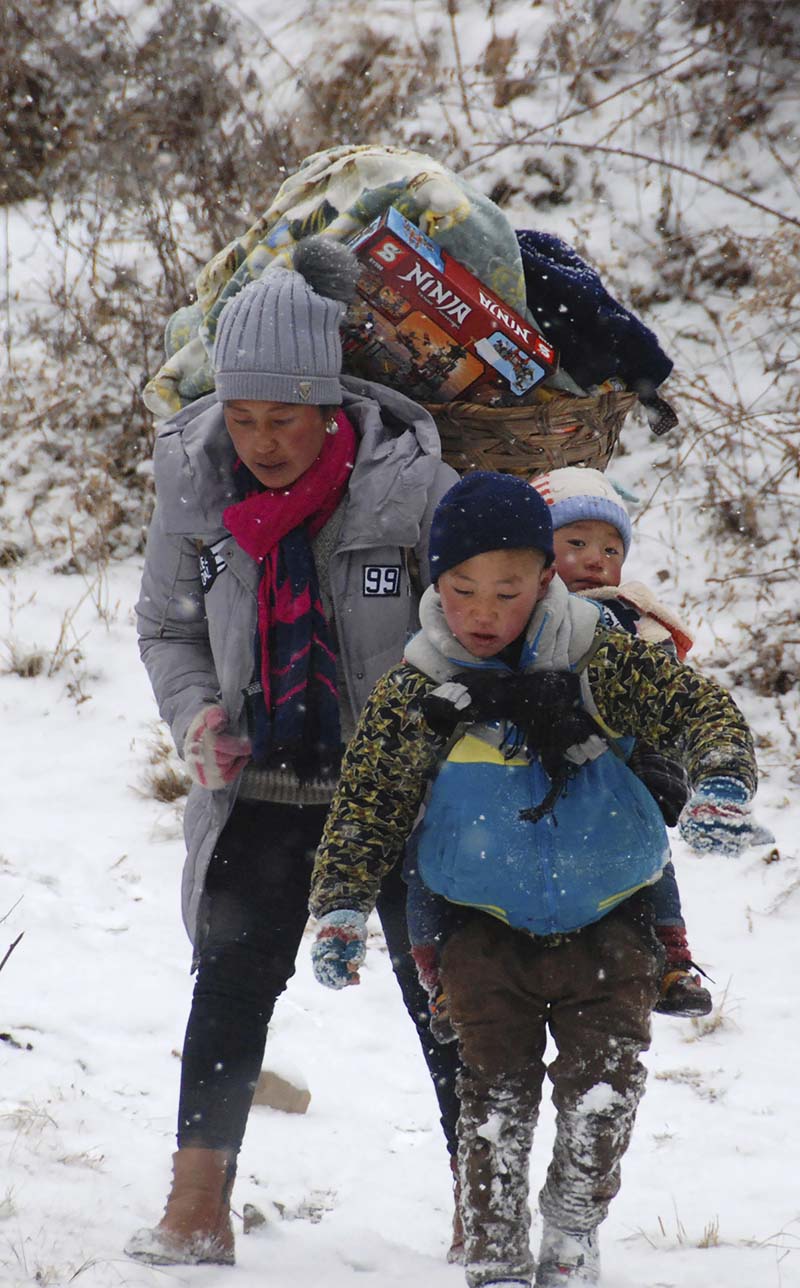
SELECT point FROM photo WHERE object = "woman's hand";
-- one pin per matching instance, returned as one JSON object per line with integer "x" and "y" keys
{"x": 214, "y": 757}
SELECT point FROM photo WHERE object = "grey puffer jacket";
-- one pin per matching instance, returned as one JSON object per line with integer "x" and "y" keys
{"x": 198, "y": 647}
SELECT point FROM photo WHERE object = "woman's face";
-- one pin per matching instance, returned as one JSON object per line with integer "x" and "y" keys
{"x": 276, "y": 441}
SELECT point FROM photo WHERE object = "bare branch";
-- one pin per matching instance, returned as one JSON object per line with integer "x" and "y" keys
{"x": 589, "y": 107}
{"x": 6, "y": 915}
{"x": 667, "y": 165}
{"x": 11, "y": 949}
{"x": 770, "y": 572}
{"x": 452, "y": 10}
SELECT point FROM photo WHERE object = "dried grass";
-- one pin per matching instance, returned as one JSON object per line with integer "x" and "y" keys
{"x": 164, "y": 779}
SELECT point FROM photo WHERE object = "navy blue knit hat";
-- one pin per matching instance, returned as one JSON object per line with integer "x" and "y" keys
{"x": 484, "y": 512}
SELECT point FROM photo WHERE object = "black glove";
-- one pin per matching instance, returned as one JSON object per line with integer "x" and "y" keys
{"x": 517, "y": 695}
{"x": 493, "y": 694}
{"x": 555, "y": 718}
{"x": 664, "y": 778}
{"x": 473, "y": 697}
{"x": 546, "y": 706}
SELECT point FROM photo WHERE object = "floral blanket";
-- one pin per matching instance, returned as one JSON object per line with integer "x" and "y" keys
{"x": 339, "y": 192}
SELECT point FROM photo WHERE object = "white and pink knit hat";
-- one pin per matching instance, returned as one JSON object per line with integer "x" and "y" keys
{"x": 576, "y": 493}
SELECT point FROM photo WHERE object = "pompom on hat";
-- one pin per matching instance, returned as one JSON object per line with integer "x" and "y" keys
{"x": 486, "y": 511}
{"x": 576, "y": 493}
{"x": 278, "y": 338}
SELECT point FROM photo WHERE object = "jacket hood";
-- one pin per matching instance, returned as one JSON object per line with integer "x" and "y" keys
{"x": 398, "y": 454}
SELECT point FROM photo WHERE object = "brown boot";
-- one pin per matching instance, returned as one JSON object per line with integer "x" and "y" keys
{"x": 196, "y": 1226}
{"x": 455, "y": 1254}
{"x": 681, "y": 992}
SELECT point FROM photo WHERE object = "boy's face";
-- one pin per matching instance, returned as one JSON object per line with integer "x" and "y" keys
{"x": 488, "y": 599}
{"x": 588, "y": 554}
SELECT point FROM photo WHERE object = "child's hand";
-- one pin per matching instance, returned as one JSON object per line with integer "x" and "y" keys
{"x": 718, "y": 817}
{"x": 339, "y": 948}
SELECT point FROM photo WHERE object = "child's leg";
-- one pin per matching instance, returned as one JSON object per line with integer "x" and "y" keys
{"x": 665, "y": 898}
{"x": 424, "y": 923}
{"x": 681, "y": 991}
{"x": 600, "y": 1029}
{"x": 430, "y": 917}
{"x": 431, "y": 920}
{"x": 502, "y": 1040}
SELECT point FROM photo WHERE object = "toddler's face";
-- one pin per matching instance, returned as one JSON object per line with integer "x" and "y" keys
{"x": 588, "y": 554}
{"x": 487, "y": 600}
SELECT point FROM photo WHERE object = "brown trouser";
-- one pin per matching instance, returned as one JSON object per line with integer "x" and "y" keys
{"x": 594, "y": 990}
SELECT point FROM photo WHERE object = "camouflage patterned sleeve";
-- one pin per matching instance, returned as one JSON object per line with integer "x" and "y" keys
{"x": 385, "y": 773}
{"x": 639, "y": 690}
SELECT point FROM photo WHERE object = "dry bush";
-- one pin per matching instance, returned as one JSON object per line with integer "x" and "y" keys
{"x": 150, "y": 147}
{"x": 124, "y": 110}
{"x": 737, "y": 461}
{"x": 710, "y": 1238}
{"x": 24, "y": 662}
{"x": 585, "y": 44}
{"x": 164, "y": 779}
{"x": 166, "y": 783}
{"x": 32, "y": 126}
{"x": 143, "y": 147}
{"x": 766, "y": 24}
{"x": 356, "y": 91}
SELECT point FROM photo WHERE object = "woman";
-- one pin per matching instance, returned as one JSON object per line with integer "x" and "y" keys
{"x": 290, "y": 530}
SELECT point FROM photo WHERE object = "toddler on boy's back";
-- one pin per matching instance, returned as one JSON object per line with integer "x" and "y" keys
{"x": 591, "y": 538}
{"x": 503, "y": 716}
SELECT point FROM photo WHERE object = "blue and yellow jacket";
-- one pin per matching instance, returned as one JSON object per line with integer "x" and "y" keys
{"x": 605, "y": 838}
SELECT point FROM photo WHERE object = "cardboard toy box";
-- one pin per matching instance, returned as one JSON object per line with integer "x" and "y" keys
{"x": 427, "y": 326}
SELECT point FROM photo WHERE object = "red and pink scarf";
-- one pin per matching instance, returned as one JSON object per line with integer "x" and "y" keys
{"x": 293, "y": 704}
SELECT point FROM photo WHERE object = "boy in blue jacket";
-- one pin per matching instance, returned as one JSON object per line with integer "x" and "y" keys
{"x": 504, "y": 719}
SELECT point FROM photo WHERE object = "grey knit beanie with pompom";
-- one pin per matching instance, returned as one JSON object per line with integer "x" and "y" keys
{"x": 278, "y": 338}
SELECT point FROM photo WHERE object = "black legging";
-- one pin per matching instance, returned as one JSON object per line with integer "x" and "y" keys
{"x": 255, "y": 912}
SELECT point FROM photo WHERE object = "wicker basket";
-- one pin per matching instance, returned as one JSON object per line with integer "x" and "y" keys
{"x": 529, "y": 440}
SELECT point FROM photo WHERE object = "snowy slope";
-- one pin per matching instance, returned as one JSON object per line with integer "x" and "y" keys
{"x": 95, "y": 995}
{"x": 99, "y": 988}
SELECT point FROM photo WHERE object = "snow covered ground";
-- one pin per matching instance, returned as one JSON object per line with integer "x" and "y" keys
{"x": 94, "y": 997}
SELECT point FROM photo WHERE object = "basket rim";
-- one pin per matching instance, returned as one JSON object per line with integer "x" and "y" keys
{"x": 609, "y": 401}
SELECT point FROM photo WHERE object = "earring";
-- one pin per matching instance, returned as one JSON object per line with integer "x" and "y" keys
{"x": 332, "y": 427}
